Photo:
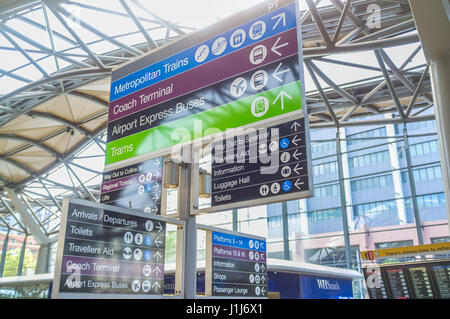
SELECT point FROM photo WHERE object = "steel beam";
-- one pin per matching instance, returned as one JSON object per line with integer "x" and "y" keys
{"x": 37, "y": 232}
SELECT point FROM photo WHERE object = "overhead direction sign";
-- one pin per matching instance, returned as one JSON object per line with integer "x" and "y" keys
{"x": 137, "y": 186}
{"x": 236, "y": 265}
{"x": 272, "y": 162}
{"x": 110, "y": 252}
{"x": 207, "y": 82}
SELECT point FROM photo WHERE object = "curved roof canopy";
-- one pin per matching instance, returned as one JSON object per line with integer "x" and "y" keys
{"x": 56, "y": 59}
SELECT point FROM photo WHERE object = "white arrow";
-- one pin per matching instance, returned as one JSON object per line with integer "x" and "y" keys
{"x": 155, "y": 196}
{"x": 277, "y": 73}
{"x": 295, "y": 140}
{"x": 156, "y": 270}
{"x": 157, "y": 241}
{"x": 157, "y": 162}
{"x": 263, "y": 290}
{"x": 157, "y": 174}
{"x": 297, "y": 169}
{"x": 275, "y": 47}
{"x": 295, "y": 154}
{"x": 159, "y": 227}
{"x": 298, "y": 183}
{"x": 156, "y": 186}
{"x": 263, "y": 279}
{"x": 157, "y": 255}
{"x": 282, "y": 94}
{"x": 156, "y": 285}
{"x": 295, "y": 125}
{"x": 262, "y": 268}
{"x": 281, "y": 16}
{"x": 154, "y": 209}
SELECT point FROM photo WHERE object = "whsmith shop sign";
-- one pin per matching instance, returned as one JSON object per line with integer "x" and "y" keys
{"x": 241, "y": 71}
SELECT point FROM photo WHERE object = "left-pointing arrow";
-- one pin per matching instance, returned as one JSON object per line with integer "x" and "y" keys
{"x": 281, "y": 96}
{"x": 298, "y": 183}
{"x": 278, "y": 72}
{"x": 295, "y": 140}
{"x": 157, "y": 241}
{"x": 275, "y": 47}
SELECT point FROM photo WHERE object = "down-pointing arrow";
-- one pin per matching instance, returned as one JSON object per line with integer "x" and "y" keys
{"x": 281, "y": 96}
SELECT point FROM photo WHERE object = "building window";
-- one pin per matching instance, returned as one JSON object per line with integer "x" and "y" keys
{"x": 381, "y": 131}
{"x": 325, "y": 191}
{"x": 325, "y": 214}
{"x": 421, "y": 149}
{"x": 375, "y": 207}
{"x": 322, "y": 147}
{"x": 423, "y": 174}
{"x": 369, "y": 159}
{"x": 324, "y": 168}
{"x": 394, "y": 244}
{"x": 373, "y": 182}
{"x": 412, "y": 126}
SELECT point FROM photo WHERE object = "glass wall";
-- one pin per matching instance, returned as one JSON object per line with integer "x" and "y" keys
{"x": 380, "y": 205}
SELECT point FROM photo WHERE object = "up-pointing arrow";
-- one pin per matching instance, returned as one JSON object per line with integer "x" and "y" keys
{"x": 295, "y": 125}
{"x": 281, "y": 96}
{"x": 280, "y": 17}
{"x": 275, "y": 47}
{"x": 157, "y": 256}
{"x": 156, "y": 285}
{"x": 278, "y": 72}
{"x": 156, "y": 270}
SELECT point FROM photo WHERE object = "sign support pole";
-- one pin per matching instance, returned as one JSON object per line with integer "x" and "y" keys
{"x": 190, "y": 235}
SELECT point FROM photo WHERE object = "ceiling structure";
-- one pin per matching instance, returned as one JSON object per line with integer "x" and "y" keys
{"x": 54, "y": 100}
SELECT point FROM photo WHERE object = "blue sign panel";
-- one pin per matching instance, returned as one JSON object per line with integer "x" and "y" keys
{"x": 258, "y": 29}
{"x": 313, "y": 287}
{"x": 238, "y": 241}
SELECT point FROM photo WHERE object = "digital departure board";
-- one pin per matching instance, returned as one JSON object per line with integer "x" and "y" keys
{"x": 398, "y": 286}
{"x": 441, "y": 273}
{"x": 420, "y": 281}
{"x": 375, "y": 283}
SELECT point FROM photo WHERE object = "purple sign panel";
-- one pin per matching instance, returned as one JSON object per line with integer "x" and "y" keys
{"x": 137, "y": 186}
{"x": 108, "y": 252}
